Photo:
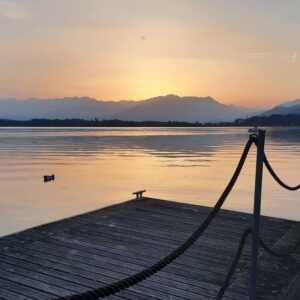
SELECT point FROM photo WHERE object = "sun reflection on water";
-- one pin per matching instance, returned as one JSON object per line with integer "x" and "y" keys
{"x": 98, "y": 167}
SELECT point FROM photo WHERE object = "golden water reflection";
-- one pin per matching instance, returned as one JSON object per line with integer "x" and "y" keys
{"x": 99, "y": 167}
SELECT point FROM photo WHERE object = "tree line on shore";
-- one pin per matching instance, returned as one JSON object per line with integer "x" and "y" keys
{"x": 274, "y": 120}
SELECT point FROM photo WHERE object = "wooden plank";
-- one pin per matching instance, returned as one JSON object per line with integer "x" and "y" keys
{"x": 115, "y": 260}
{"x": 103, "y": 246}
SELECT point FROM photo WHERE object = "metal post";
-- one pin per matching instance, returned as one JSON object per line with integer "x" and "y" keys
{"x": 256, "y": 213}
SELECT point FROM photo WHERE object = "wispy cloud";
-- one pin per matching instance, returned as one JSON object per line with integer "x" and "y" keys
{"x": 294, "y": 58}
{"x": 12, "y": 10}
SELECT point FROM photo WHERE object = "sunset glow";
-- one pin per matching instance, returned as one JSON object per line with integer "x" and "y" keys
{"x": 238, "y": 52}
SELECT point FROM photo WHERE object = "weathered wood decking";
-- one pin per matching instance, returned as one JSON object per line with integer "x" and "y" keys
{"x": 100, "y": 247}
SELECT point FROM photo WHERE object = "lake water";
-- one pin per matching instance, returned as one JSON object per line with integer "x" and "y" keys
{"x": 97, "y": 167}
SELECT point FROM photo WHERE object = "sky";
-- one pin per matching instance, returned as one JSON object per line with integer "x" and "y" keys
{"x": 238, "y": 52}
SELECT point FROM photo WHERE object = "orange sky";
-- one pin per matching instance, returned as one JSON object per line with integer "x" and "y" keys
{"x": 238, "y": 52}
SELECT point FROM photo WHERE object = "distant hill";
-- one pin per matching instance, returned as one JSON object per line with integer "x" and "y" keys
{"x": 273, "y": 120}
{"x": 185, "y": 109}
{"x": 286, "y": 108}
{"x": 163, "y": 108}
{"x": 291, "y": 103}
{"x": 64, "y": 108}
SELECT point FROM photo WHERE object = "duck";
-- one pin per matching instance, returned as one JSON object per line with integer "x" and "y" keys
{"x": 49, "y": 177}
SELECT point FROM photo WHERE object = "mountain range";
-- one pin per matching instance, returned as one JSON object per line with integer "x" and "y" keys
{"x": 162, "y": 108}
{"x": 286, "y": 108}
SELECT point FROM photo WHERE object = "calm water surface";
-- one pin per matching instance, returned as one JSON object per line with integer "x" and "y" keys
{"x": 96, "y": 167}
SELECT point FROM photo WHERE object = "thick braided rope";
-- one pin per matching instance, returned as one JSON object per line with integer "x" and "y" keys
{"x": 116, "y": 287}
{"x": 278, "y": 180}
{"x": 234, "y": 263}
{"x": 278, "y": 254}
{"x": 239, "y": 253}
{"x": 275, "y": 176}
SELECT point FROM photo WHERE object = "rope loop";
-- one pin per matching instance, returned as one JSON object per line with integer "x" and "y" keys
{"x": 238, "y": 256}
{"x": 275, "y": 176}
{"x": 275, "y": 253}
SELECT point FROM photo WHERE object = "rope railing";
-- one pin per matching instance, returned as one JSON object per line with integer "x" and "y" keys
{"x": 110, "y": 289}
{"x": 115, "y": 287}
{"x": 275, "y": 253}
{"x": 260, "y": 240}
{"x": 234, "y": 264}
{"x": 238, "y": 254}
{"x": 278, "y": 180}
{"x": 275, "y": 176}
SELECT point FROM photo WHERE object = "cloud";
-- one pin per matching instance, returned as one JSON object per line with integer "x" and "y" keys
{"x": 294, "y": 58}
{"x": 12, "y": 10}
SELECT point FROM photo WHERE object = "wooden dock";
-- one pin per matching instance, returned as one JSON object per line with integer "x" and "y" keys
{"x": 93, "y": 249}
